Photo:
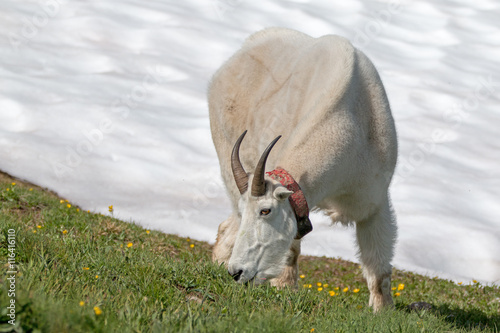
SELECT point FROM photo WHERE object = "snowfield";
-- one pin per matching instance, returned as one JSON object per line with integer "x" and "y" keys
{"x": 104, "y": 102}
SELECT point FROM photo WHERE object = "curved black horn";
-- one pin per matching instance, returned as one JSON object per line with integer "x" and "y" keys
{"x": 239, "y": 173}
{"x": 258, "y": 184}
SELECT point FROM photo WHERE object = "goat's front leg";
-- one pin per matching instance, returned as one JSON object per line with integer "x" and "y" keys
{"x": 288, "y": 278}
{"x": 226, "y": 236}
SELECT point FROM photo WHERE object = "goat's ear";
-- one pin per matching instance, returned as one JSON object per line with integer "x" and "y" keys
{"x": 281, "y": 193}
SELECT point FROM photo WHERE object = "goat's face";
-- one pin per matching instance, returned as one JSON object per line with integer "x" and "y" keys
{"x": 268, "y": 223}
{"x": 266, "y": 231}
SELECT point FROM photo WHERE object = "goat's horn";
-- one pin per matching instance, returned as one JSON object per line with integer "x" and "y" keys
{"x": 258, "y": 184}
{"x": 239, "y": 173}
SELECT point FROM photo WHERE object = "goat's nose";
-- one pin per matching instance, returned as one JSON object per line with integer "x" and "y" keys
{"x": 236, "y": 276}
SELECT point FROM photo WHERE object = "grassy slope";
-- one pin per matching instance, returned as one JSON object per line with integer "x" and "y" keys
{"x": 74, "y": 264}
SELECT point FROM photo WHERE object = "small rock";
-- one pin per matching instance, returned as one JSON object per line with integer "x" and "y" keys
{"x": 419, "y": 306}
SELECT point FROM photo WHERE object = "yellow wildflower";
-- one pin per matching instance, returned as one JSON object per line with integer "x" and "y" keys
{"x": 97, "y": 276}
{"x": 82, "y": 303}
{"x": 97, "y": 310}
{"x": 30, "y": 189}
{"x": 394, "y": 288}
{"x": 302, "y": 276}
{"x": 68, "y": 205}
{"x": 345, "y": 289}
{"x": 312, "y": 330}
{"x": 460, "y": 283}
{"x": 7, "y": 189}
{"x": 78, "y": 209}
{"x": 110, "y": 208}
{"x": 305, "y": 285}
{"x": 39, "y": 226}
{"x": 65, "y": 232}
{"x": 319, "y": 284}
{"x": 191, "y": 246}
{"x": 188, "y": 239}
{"x": 130, "y": 245}
{"x": 397, "y": 294}
{"x": 61, "y": 201}
{"x": 13, "y": 184}
{"x": 320, "y": 289}
{"x": 401, "y": 286}
{"x": 309, "y": 286}
{"x": 34, "y": 231}
{"x": 332, "y": 293}
{"x": 86, "y": 268}
{"x": 475, "y": 281}
{"x": 336, "y": 288}
{"x": 355, "y": 290}
{"x": 147, "y": 231}
{"x": 325, "y": 285}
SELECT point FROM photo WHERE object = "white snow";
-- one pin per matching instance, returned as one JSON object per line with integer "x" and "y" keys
{"x": 105, "y": 103}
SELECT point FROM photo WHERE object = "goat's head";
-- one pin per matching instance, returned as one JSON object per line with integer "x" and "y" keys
{"x": 267, "y": 222}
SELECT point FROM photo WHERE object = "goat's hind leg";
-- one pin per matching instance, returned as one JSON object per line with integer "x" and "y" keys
{"x": 376, "y": 238}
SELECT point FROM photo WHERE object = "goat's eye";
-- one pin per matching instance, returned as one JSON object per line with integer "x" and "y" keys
{"x": 265, "y": 212}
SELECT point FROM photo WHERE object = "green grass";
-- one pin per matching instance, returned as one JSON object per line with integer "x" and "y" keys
{"x": 70, "y": 262}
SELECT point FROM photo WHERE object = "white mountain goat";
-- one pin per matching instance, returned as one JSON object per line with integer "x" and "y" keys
{"x": 337, "y": 154}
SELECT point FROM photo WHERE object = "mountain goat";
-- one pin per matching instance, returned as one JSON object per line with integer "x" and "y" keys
{"x": 337, "y": 154}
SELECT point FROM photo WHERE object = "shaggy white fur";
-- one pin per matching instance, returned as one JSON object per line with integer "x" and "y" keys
{"x": 339, "y": 143}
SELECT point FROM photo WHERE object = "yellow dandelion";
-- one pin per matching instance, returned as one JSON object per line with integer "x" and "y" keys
{"x": 346, "y": 289}
{"x": 319, "y": 284}
{"x": 332, "y": 293}
{"x": 355, "y": 290}
{"x": 82, "y": 303}
{"x": 86, "y": 268}
{"x": 191, "y": 246}
{"x": 65, "y": 232}
{"x": 302, "y": 276}
{"x": 393, "y": 288}
{"x": 460, "y": 283}
{"x": 66, "y": 200}
{"x": 320, "y": 289}
{"x": 305, "y": 285}
{"x": 147, "y": 231}
{"x": 336, "y": 288}
{"x": 312, "y": 330}
{"x": 401, "y": 286}
{"x": 61, "y": 201}
{"x": 97, "y": 311}
{"x": 188, "y": 239}
{"x": 7, "y": 189}
{"x": 325, "y": 285}
{"x": 34, "y": 231}
{"x": 110, "y": 208}
{"x": 397, "y": 294}
{"x": 475, "y": 281}
{"x": 39, "y": 226}
{"x": 309, "y": 286}
{"x": 130, "y": 245}
{"x": 30, "y": 189}
{"x": 97, "y": 276}
{"x": 68, "y": 205}
{"x": 78, "y": 209}
{"x": 13, "y": 184}
{"x": 88, "y": 211}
